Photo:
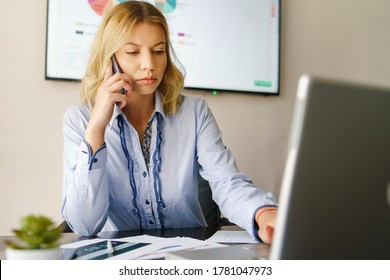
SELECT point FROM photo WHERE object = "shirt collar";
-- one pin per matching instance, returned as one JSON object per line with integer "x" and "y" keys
{"x": 158, "y": 109}
{"x": 117, "y": 112}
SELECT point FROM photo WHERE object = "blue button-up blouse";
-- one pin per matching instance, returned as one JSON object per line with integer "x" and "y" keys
{"x": 113, "y": 189}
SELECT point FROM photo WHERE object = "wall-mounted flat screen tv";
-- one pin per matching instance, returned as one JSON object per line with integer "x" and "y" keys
{"x": 226, "y": 45}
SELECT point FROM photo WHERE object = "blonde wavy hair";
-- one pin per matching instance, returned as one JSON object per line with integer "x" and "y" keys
{"x": 112, "y": 35}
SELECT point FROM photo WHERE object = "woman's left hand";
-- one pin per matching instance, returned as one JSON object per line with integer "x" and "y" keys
{"x": 266, "y": 220}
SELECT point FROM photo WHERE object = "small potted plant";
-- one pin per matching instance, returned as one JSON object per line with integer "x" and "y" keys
{"x": 37, "y": 239}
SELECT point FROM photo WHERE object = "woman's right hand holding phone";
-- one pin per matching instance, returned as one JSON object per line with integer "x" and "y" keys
{"x": 108, "y": 94}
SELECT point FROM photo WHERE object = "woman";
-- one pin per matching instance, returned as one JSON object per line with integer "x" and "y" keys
{"x": 132, "y": 154}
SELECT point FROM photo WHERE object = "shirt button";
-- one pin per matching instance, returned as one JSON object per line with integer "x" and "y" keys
{"x": 144, "y": 174}
{"x": 95, "y": 160}
{"x": 151, "y": 222}
{"x": 147, "y": 202}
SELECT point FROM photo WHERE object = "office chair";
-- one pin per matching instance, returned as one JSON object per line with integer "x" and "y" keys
{"x": 65, "y": 227}
{"x": 210, "y": 209}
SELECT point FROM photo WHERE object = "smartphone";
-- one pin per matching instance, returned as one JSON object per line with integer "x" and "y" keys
{"x": 117, "y": 69}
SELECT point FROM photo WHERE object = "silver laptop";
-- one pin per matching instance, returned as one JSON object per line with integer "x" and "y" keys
{"x": 335, "y": 196}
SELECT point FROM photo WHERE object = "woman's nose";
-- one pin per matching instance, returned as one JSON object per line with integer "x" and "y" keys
{"x": 148, "y": 62}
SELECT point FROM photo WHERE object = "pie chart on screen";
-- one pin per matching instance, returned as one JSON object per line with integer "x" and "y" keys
{"x": 166, "y": 6}
{"x": 102, "y": 6}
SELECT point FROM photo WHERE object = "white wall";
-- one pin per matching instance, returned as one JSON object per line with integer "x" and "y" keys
{"x": 346, "y": 39}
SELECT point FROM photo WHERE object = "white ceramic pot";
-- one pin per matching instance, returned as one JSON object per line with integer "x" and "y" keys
{"x": 32, "y": 254}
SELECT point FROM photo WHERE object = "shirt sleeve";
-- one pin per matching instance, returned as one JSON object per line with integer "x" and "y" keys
{"x": 236, "y": 195}
{"x": 85, "y": 196}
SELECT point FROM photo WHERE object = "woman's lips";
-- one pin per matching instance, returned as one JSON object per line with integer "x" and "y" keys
{"x": 147, "y": 81}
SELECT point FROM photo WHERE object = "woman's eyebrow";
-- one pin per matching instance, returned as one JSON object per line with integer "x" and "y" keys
{"x": 138, "y": 45}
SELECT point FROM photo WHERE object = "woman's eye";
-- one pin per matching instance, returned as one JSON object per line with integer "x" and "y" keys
{"x": 159, "y": 52}
{"x": 132, "y": 52}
